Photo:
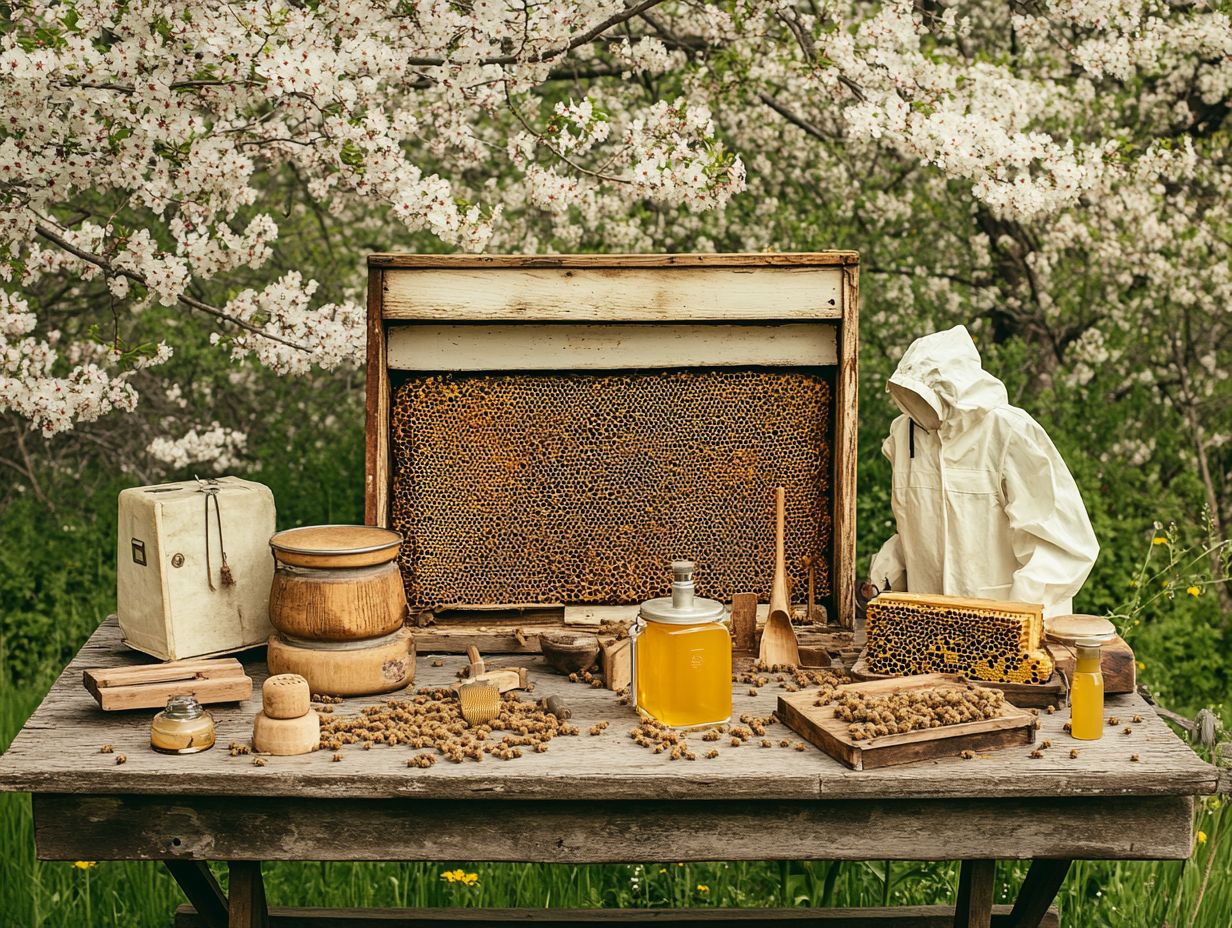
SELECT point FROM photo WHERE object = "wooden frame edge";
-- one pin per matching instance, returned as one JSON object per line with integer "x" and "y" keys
{"x": 376, "y": 407}
{"x": 746, "y": 259}
{"x": 846, "y": 434}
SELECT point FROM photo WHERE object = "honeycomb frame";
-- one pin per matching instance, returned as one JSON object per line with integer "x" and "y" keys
{"x": 585, "y": 292}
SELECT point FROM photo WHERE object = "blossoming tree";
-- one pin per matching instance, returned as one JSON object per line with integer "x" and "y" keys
{"x": 1055, "y": 169}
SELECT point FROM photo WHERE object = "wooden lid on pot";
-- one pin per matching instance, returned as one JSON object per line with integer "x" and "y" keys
{"x": 1071, "y": 628}
{"x": 335, "y": 546}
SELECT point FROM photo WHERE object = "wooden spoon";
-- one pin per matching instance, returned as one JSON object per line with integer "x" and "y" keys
{"x": 778, "y": 638}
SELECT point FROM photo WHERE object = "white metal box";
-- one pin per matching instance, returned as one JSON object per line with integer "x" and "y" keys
{"x": 174, "y": 598}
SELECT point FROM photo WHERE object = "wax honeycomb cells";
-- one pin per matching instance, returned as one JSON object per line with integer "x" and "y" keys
{"x": 578, "y": 488}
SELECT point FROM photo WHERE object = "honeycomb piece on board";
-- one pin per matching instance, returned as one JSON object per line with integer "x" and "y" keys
{"x": 980, "y": 639}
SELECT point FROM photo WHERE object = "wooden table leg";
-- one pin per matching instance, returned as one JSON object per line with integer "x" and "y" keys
{"x": 201, "y": 889}
{"x": 1044, "y": 879}
{"x": 246, "y": 899}
{"x": 973, "y": 908}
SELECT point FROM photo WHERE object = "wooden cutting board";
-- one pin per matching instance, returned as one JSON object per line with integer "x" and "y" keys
{"x": 819, "y": 725}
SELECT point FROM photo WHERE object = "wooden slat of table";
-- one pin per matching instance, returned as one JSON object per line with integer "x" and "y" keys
{"x": 922, "y": 916}
{"x": 57, "y": 751}
{"x": 571, "y": 831}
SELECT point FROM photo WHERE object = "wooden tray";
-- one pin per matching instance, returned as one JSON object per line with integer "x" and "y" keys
{"x": 819, "y": 725}
{"x": 1023, "y": 695}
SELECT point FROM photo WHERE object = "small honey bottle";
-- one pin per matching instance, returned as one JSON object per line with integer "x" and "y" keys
{"x": 1086, "y": 692}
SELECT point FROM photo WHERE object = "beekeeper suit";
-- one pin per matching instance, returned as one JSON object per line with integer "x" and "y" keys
{"x": 984, "y": 504}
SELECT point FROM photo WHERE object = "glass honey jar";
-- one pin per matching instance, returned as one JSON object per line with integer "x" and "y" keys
{"x": 184, "y": 727}
{"x": 682, "y": 657}
{"x": 1086, "y": 692}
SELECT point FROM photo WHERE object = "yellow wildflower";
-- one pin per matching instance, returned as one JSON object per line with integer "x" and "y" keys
{"x": 453, "y": 876}
{"x": 1159, "y": 540}
{"x": 1194, "y": 590}
{"x": 1202, "y": 837}
{"x": 703, "y": 888}
{"x": 85, "y": 864}
{"x": 663, "y": 869}
{"x": 1141, "y": 665}
{"x": 470, "y": 879}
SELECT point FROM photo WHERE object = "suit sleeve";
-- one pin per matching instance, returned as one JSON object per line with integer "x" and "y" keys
{"x": 1051, "y": 534}
{"x": 888, "y": 570}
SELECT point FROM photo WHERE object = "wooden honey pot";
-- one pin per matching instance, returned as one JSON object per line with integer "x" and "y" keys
{"x": 337, "y": 583}
{"x": 338, "y": 603}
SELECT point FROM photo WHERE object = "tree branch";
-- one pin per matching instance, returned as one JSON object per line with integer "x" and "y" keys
{"x": 577, "y": 41}
{"x": 191, "y": 302}
{"x": 799, "y": 122}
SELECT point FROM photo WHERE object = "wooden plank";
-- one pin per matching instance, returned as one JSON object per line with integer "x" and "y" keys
{"x": 208, "y": 690}
{"x": 846, "y": 433}
{"x": 376, "y": 406}
{"x": 744, "y": 623}
{"x": 527, "y": 346}
{"x": 1116, "y": 662}
{"x": 1039, "y": 888}
{"x": 919, "y": 916}
{"x": 688, "y": 260}
{"x": 973, "y": 908}
{"x": 253, "y": 827}
{"x": 613, "y": 294}
{"x": 157, "y": 673}
{"x": 198, "y": 883}
{"x": 58, "y": 751}
{"x": 819, "y": 725}
{"x": 246, "y": 896}
{"x": 963, "y": 602}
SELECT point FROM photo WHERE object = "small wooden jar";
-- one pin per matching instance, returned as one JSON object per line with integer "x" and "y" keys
{"x": 337, "y": 583}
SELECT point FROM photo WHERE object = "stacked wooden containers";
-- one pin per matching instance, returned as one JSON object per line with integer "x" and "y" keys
{"x": 338, "y": 605}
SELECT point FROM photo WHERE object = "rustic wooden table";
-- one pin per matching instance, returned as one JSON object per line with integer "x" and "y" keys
{"x": 591, "y": 799}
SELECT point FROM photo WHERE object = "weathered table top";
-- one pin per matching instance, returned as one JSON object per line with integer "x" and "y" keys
{"x": 58, "y": 752}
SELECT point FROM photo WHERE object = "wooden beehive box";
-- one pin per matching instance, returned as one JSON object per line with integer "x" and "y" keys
{"x": 549, "y": 431}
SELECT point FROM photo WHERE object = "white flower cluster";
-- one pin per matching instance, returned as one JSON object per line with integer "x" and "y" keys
{"x": 214, "y": 447}
{"x": 145, "y": 146}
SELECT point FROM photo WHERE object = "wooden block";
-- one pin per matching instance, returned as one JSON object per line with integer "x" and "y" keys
{"x": 744, "y": 623}
{"x": 160, "y": 673}
{"x": 1117, "y": 663}
{"x": 357, "y": 669}
{"x": 285, "y": 737}
{"x": 819, "y": 725}
{"x": 814, "y": 657}
{"x": 149, "y": 687}
{"x": 616, "y": 658}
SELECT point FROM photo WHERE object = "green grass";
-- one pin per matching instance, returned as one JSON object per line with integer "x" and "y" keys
{"x": 34, "y": 894}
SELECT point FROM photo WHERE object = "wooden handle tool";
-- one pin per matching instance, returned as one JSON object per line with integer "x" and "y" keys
{"x": 778, "y": 638}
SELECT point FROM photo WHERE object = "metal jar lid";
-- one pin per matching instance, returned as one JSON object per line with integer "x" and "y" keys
{"x": 682, "y": 607}
{"x": 183, "y": 707}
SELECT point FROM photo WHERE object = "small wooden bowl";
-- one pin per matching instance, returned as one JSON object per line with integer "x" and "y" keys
{"x": 568, "y": 652}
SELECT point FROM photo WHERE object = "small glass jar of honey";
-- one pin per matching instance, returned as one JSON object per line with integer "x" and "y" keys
{"x": 682, "y": 657}
{"x": 184, "y": 727}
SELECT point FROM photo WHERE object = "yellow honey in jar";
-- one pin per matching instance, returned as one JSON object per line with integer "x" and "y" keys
{"x": 682, "y": 657}
{"x": 1086, "y": 693}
